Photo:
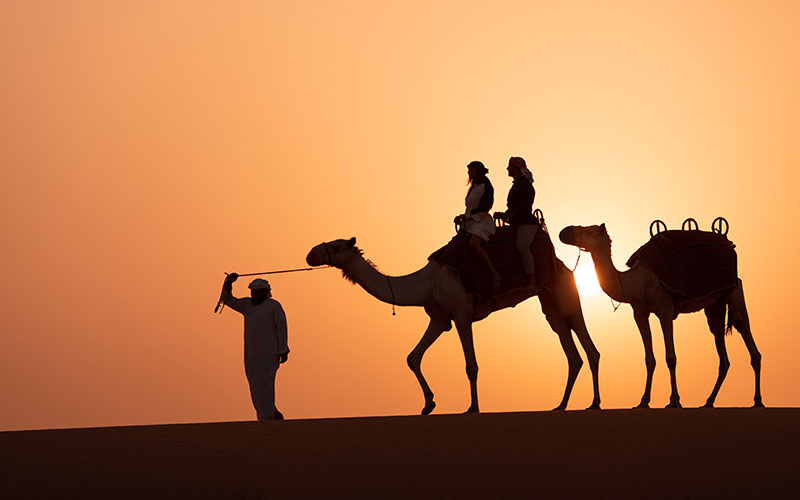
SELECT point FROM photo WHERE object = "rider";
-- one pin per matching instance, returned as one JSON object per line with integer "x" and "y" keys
{"x": 519, "y": 215}
{"x": 476, "y": 219}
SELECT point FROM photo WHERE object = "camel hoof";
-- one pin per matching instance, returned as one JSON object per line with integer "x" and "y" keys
{"x": 758, "y": 404}
{"x": 559, "y": 408}
{"x": 428, "y": 408}
{"x": 642, "y": 405}
{"x": 595, "y": 406}
{"x": 472, "y": 409}
{"x": 674, "y": 405}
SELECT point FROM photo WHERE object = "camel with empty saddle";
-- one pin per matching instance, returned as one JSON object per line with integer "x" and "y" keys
{"x": 697, "y": 271}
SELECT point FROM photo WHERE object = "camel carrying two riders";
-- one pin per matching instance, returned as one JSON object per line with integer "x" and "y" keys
{"x": 455, "y": 289}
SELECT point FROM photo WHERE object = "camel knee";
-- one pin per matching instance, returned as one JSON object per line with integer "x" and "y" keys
{"x": 575, "y": 364}
{"x": 755, "y": 361}
{"x": 594, "y": 358}
{"x": 413, "y": 362}
{"x": 724, "y": 365}
{"x": 472, "y": 371}
{"x": 650, "y": 363}
{"x": 672, "y": 362}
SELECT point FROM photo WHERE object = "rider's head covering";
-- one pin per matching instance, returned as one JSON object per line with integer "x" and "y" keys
{"x": 523, "y": 167}
{"x": 479, "y": 166}
{"x": 259, "y": 284}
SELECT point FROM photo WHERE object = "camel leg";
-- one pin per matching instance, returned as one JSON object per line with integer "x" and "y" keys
{"x": 435, "y": 328}
{"x": 552, "y": 308}
{"x": 573, "y": 358}
{"x": 592, "y": 355}
{"x": 715, "y": 314}
{"x": 464, "y": 328}
{"x": 641, "y": 317}
{"x": 737, "y": 313}
{"x": 672, "y": 359}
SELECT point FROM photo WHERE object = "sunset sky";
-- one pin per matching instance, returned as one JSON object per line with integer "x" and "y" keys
{"x": 147, "y": 147}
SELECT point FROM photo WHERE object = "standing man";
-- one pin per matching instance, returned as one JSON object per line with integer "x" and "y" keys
{"x": 265, "y": 341}
{"x": 520, "y": 215}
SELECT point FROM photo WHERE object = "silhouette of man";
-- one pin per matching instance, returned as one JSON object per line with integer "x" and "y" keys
{"x": 520, "y": 216}
{"x": 265, "y": 341}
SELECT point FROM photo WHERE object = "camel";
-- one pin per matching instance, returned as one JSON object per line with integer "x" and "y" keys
{"x": 438, "y": 290}
{"x": 641, "y": 288}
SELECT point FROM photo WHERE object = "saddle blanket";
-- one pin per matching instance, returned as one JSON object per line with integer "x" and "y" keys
{"x": 502, "y": 250}
{"x": 690, "y": 264}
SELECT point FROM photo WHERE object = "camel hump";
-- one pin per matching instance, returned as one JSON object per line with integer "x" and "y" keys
{"x": 690, "y": 264}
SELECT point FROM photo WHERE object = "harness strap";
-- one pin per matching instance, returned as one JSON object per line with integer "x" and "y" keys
{"x": 392, "y": 290}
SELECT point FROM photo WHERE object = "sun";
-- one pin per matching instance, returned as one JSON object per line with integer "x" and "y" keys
{"x": 586, "y": 278}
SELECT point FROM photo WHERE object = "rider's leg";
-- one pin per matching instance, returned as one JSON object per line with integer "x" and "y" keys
{"x": 475, "y": 242}
{"x": 525, "y": 235}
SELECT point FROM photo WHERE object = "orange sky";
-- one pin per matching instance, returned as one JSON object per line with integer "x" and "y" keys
{"x": 146, "y": 147}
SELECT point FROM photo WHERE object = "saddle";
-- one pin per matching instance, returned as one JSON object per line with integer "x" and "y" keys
{"x": 690, "y": 264}
{"x": 501, "y": 248}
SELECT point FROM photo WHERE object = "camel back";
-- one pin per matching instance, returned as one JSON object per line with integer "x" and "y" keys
{"x": 690, "y": 264}
{"x": 476, "y": 278}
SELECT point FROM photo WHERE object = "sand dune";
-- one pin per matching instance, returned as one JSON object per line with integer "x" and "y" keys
{"x": 690, "y": 453}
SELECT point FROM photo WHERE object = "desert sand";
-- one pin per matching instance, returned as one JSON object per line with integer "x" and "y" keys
{"x": 688, "y": 453}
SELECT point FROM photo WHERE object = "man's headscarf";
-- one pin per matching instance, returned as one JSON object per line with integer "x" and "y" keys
{"x": 523, "y": 167}
{"x": 260, "y": 284}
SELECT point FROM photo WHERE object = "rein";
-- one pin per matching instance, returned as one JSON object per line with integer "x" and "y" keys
{"x": 621, "y": 292}
{"x": 285, "y": 271}
{"x": 621, "y": 287}
{"x": 580, "y": 251}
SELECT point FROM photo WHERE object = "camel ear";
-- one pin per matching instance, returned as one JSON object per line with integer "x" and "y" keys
{"x": 351, "y": 242}
{"x": 603, "y": 227}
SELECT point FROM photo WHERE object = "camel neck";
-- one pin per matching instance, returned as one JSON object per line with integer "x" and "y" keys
{"x": 409, "y": 290}
{"x": 611, "y": 280}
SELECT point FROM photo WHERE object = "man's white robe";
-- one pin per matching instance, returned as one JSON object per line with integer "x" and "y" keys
{"x": 265, "y": 339}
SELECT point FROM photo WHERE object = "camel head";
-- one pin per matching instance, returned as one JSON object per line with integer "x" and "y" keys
{"x": 589, "y": 238}
{"x": 333, "y": 253}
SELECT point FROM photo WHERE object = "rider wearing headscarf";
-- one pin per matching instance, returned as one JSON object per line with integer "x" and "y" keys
{"x": 520, "y": 214}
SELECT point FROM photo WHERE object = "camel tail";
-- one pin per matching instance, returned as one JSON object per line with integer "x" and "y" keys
{"x": 730, "y": 324}
{"x": 737, "y": 313}
{"x": 733, "y": 322}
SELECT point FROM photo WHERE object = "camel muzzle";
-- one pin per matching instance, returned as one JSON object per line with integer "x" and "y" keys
{"x": 567, "y": 235}
{"x": 312, "y": 259}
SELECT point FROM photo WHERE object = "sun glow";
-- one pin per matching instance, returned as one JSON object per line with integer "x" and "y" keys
{"x": 586, "y": 278}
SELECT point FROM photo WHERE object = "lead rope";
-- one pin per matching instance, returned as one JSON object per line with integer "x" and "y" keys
{"x": 580, "y": 251}
{"x": 285, "y": 271}
{"x": 621, "y": 292}
{"x": 392, "y": 290}
{"x": 221, "y": 303}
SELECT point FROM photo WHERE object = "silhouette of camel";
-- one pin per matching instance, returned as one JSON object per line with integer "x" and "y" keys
{"x": 642, "y": 289}
{"x": 437, "y": 288}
